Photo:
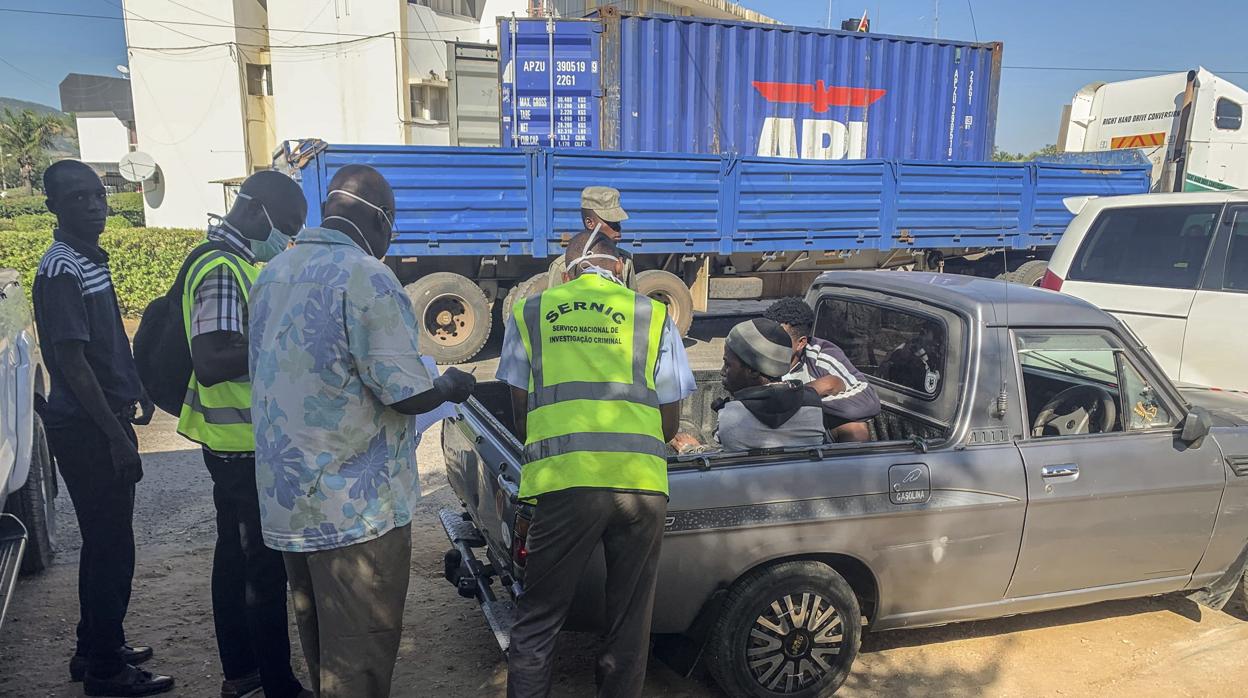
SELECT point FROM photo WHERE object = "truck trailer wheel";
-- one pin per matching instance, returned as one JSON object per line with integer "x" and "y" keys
{"x": 1029, "y": 273}
{"x": 668, "y": 289}
{"x": 525, "y": 289}
{"x": 453, "y": 314}
{"x": 791, "y": 629}
{"x": 35, "y": 505}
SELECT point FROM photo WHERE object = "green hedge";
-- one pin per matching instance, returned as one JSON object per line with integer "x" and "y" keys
{"x": 143, "y": 261}
{"x": 35, "y": 222}
{"x": 128, "y": 205}
{"x": 13, "y": 206}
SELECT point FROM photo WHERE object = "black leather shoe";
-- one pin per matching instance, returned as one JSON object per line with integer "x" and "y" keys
{"x": 242, "y": 687}
{"x": 135, "y": 656}
{"x": 130, "y": 681}
{"x": 130, "y": 655}
{"x": 77, "y": 668}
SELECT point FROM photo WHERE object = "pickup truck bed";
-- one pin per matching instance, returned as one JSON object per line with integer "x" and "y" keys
{"x": 1021, "y": 465}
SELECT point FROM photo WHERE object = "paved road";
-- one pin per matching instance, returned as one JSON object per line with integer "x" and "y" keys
{"x": 1165, "y": 646}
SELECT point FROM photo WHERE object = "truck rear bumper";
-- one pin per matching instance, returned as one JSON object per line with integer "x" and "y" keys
{"x": 473, "y": 578}
{"x": 12, "y": 545}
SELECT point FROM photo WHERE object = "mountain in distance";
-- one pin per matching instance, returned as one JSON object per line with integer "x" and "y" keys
{"x": 62, "y": 146}
{"x": 20, "y": 104}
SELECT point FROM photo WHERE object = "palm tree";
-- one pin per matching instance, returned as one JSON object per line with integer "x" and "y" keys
{"x": 25, "y": 136}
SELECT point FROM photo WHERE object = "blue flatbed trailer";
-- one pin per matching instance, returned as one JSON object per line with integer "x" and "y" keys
{"x": 479, "y": 225}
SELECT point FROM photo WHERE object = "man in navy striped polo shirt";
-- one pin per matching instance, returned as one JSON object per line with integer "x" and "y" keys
{"x": 849, "y": 400}
{"x": 89, "y": 418}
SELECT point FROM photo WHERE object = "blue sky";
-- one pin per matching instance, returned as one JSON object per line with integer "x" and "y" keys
{"x": 1141, "y": 34}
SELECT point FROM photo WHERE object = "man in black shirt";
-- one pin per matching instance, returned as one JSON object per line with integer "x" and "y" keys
{"x": 92, "y": 405}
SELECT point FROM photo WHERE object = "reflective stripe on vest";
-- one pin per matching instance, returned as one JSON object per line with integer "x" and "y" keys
{"x": 217, "y": 416}
{"x": 593, "y": 416}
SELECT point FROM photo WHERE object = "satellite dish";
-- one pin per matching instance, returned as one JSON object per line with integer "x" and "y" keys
{"x": 123, "y": 69}
{"x": 137, "y": 166}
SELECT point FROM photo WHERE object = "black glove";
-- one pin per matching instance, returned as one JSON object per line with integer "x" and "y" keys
{"x": 454, "y": 385}
{"x": 147, "y": 408}
{"x": 127, "y": 465}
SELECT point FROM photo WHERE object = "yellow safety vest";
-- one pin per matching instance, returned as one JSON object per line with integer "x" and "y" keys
{"x": 217, "y": 416}
{"x": 593, "y": 417}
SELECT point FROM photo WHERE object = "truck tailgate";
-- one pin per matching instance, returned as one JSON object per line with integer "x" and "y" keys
{"x": 483, "y": 463}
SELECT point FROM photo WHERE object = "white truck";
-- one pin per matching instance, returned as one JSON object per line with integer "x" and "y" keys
{"x": 1189, "y": 125}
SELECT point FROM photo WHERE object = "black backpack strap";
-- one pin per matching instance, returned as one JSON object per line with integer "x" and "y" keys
{"x": 194, "y": 256}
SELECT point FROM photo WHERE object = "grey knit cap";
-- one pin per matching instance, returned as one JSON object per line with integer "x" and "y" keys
{"x": 749, "y": 341}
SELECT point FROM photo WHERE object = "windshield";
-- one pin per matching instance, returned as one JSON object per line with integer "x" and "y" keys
{"x": 1090, "y": 356}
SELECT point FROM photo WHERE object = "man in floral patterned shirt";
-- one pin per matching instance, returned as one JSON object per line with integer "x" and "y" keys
{"x": 335, "y": 377}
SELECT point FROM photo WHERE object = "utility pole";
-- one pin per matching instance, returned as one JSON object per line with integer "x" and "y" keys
{"x": 828, "y": 24}
{"x": 936, "y": 22}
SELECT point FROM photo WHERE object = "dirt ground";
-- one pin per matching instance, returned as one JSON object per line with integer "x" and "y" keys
{"x": 1163, "y": 646}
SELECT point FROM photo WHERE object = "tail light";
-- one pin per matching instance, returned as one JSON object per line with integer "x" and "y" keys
{"x": 1051, "y": 281}
{"x": 520, "y": 536}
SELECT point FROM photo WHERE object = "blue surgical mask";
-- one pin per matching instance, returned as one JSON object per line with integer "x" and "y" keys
{"x": 268, "y": 248}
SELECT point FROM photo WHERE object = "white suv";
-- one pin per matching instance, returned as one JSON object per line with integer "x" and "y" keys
{"x": 27, "y": 480}
{"x": 1174, "y": 268}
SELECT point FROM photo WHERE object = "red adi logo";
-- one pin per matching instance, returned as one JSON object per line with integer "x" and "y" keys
{"x": 819, "y": 96}
{"x": 822, "y": 139}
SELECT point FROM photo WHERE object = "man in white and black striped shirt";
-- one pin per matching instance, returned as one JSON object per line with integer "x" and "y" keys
{"x": 849, "y": 400}
{"x": 89, "y": 418}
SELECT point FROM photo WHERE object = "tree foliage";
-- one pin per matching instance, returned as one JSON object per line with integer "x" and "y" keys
{"x": 26, "y": 137}
{"x": 1003, "y": 156}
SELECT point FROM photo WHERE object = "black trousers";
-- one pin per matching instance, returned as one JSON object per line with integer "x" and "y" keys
{"x": 567, "y": 527}
{"x": 248, "y": 583}
{"x": 105, "y": 509}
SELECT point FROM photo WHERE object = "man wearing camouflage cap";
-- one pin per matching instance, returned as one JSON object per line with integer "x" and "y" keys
{"x": 601, "y": 211}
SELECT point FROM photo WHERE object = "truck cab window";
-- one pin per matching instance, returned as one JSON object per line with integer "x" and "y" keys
{"x": 1084, "y": 383}
{"x": 904, "y": 349}
{"x": 1229, "y": 115}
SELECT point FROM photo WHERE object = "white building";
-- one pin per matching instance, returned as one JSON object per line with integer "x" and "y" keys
{"x": 218, "y": 85}
{"x": 104, "y": 120}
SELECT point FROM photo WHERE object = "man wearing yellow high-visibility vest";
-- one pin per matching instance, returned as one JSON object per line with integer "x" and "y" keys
{"x": 248, "y": 579}
{"x": 597, "y": 374}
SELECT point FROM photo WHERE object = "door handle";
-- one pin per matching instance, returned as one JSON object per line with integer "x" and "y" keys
{"x": 1062, "y": 470}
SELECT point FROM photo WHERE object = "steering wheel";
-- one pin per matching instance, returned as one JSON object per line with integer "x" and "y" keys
{"x": 1080, "y": 409}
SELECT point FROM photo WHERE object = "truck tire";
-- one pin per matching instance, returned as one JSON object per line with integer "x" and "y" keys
{"x": 1030, "y": 273}
{"x": 791, "y": 629}
{"x": 453, "y": 315}
{"x": 525, "y": 289}
{"x": 668, "y": 289}
{"x": 35, "y": 505}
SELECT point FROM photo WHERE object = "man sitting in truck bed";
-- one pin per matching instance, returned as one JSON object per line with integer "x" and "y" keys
{"x": 763, "y": 410}
{"x": 849, "y": 401}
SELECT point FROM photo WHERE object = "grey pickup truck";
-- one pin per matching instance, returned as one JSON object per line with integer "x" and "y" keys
{"x": 1030, "y": 455}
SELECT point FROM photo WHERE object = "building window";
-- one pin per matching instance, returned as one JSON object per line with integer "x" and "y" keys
{"x": 259, "y": 80}
{"x": 429, "y": 103}
{"x": 458, "y": 8}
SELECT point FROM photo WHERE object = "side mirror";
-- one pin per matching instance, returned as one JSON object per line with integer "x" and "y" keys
{"x": 1196, "y": 426}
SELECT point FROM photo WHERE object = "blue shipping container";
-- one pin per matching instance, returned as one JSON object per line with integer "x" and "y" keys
{"x": 684, "y": 84}
{"x": 541, "y": 68}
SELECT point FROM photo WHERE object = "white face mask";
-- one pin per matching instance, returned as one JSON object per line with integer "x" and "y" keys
{"x": 375, "y": 207}
{"x": 586, "y": 259}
